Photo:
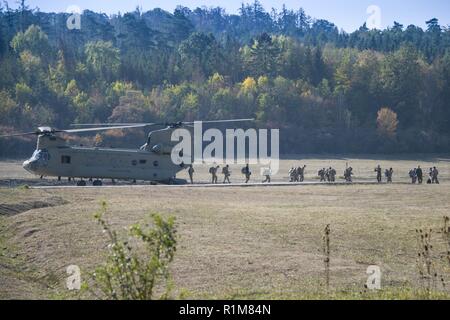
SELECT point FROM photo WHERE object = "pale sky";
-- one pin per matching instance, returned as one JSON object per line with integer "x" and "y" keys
{"x": 346, "y": 14}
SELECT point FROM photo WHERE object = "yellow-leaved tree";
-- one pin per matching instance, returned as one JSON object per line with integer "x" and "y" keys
{"x": 387, "y": 122}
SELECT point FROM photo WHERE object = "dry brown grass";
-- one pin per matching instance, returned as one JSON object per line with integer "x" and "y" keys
{"x": 232, "y": 242}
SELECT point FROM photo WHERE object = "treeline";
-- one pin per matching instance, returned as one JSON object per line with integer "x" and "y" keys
{"x": 369, "y": 91}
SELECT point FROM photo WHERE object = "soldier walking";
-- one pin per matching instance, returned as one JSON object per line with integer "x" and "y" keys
{"x": 226, "y": 172}
{"x": 430, "y": 176}
{"x": 213, "y": 172}
{"x": 332, "y": 174}
{"x": 378, "y": 171}
{"x": 389, "y": 173}
{"x": 267, "y": 179}
{"x": 434, "y": 175}
{"x": 297, "y": 174}
{"x": 322, "y": 173}
{"x": 266, "y": 172}
{"x": 301, "y": 173}
{"x": 191, "y": 173}
{"x": 246, "y": 171}
{"x": 292, "y": 174}
{"x": 419, "y": 174}
{"x": 348, "y": 174}
{"x": 413, "y": 175}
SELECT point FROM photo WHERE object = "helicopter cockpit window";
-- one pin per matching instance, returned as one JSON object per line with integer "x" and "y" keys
{"x": 40, "y": 155}
{"x": 36, "y": 155}
{"x": 66, "y": 159}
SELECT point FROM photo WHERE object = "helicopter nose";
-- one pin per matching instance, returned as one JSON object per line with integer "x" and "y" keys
{"x": 28, "y": 165}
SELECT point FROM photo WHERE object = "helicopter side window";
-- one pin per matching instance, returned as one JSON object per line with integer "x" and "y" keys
{"x": 66, "y": 160}
{"x": 142, "y": 161}
{"x": 134, "y": 162}
{"x": 155, "y": 163}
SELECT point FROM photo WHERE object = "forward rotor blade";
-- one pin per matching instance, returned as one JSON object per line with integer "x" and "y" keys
{"x": 111, "y": 124}
{"x": 158, "y": 124}
{"x": 48, "y": 130}
{"x": 19, "y": 134}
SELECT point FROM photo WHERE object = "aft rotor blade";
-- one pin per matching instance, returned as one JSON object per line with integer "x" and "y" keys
{"x": 222, "y": 121}
{"x": 102, "y": 128}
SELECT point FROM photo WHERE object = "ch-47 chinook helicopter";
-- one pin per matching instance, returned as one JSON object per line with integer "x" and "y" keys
{"x": 152, "y": 162}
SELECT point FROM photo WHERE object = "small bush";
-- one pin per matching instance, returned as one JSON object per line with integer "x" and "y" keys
{"x": 127, "y": 275}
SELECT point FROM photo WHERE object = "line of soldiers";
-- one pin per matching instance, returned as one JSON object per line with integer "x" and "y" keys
{"x": 327, "y": 174}
{"x": 226, "y": 171}
{"x": 388, "y": 173}
{"x": 416, "y": 175}
{"x": 297, "y": 174}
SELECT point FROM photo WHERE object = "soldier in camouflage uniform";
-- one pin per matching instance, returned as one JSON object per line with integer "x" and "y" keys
{"x": 327, "y": 174}
{"x": 292, "y": 174}
{"x": 434, "y": 175}
{"x": 322, "y": 174}
{"x": 413, "y": 175}
{"x": 246, "y": 171}
{"x": 301, "y": 173}
{"x": 332, "y": 174}
{"x": 348, "y": 174}
{"x": 419, "y": 173}
{"x": 213, "y": 172}
{"x": 378, "y": 171}
{"x": 191, "y": 173}
{"x": 226, "y": 172}
{"x": 389, "y": 173}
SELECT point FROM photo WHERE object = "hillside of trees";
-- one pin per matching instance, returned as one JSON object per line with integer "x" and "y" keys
{"x": 370, "y": 91}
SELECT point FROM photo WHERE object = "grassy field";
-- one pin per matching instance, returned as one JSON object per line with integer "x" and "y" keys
{"x": 236, "y": 242}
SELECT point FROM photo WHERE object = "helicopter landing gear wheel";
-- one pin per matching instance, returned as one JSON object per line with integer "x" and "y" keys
{"x": 81, "y": 183}
{"x": 97, "y": 183}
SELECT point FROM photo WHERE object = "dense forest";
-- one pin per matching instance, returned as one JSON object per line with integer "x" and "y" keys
{"x": 370, "y": 91}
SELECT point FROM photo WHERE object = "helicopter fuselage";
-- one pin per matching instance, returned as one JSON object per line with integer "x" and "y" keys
{"x": 54, "y": 158}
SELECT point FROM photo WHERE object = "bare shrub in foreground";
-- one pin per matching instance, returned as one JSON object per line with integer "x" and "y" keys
{"x": 129, "y": 275}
